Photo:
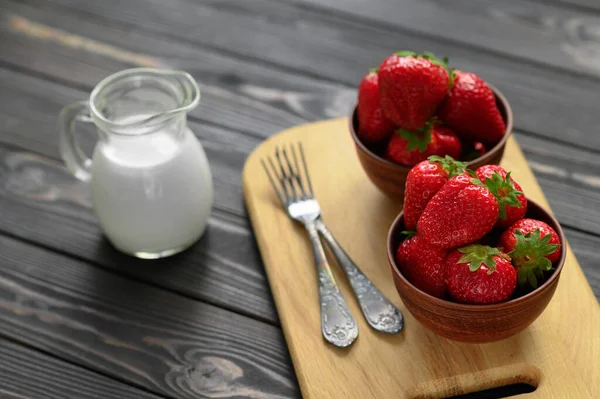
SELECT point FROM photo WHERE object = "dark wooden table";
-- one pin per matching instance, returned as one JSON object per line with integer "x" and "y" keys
{"x": 80, "y": 320}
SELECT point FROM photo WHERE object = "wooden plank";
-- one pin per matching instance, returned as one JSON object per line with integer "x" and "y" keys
{"x": 236, "y": 94}
{"x": 137, "y": 333}
{"x": 32, "y": 105}
{"x": 341, "y": 49}
{"x": 557, "y": 353}
{"x": 570, "y": 179}
{"x": 40, "y": 194}
{"x": 539, "y": 32}
{"x": 586, "y": 4}
{"x": 586, "y": 247}
{"x": 28, "y": 374}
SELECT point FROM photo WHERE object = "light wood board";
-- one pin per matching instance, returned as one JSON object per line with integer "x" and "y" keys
{"x": 559, "y": 353}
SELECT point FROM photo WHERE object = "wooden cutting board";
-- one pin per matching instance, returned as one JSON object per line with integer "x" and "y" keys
{"x": 559, "y": 353}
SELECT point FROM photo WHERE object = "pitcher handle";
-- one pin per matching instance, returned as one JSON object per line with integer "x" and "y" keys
{"x": 72, "y": 154}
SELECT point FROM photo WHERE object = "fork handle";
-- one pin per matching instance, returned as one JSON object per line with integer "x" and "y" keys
{"x": 337, "y": 324}
{"x": 380, "y": 313}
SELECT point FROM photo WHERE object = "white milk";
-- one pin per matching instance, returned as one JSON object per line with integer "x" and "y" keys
{"x": 152, "y": 193}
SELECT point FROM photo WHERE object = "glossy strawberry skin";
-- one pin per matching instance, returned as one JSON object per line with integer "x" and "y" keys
{"x": 373, "y": 126}
{"x": 470, "y": 109}
{"x": 473, "y": 151}
{"x": 458, "y": 214}
{"x": 479, "y": 147}
{"x": 411, "y": 89}
{"x": 443, "y": 142}
{"x": 508, "y": 239}
{"x": 513, "y": 213}
{"x": 423, "y": 265}
{"x": 479, "y": 287}
{"x": 423, "y": 181}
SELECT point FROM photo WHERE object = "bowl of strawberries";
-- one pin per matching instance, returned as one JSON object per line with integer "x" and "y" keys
{"x": 472, "y": 258}
{"x": 413, "y": 106}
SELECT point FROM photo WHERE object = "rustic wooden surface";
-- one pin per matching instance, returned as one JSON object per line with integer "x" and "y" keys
{"x": 556, "y": 354}
{"x": 263, "y": 66}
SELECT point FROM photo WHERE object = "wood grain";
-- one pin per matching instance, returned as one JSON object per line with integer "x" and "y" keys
{"x": 236, "y": 94}
{"x": 341, "y": 49}
{"x": 137, "y": 333}
{"x": 557, "y": 353}
{"x": 31, "y": 105}
{"x": 29, "y": 374}
{"x": 586, "y": 4}
{"x": 576, "y": 95}
{"x": 547, "y": 34}
{"x": 37, "y": 194}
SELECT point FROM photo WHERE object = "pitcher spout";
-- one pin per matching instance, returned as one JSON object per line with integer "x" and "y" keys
{"x": 189, "y": 89}
{"x": 138, "y": 100}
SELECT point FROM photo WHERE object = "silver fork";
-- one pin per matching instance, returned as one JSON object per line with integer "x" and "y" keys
{"x": 337, "y": 324}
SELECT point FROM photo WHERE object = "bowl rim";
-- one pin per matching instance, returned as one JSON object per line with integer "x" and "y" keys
{"x": 489, "y": 307}
{"x": 483, "y": 158}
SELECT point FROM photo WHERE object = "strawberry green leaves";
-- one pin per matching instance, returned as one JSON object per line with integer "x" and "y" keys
{"x": 502, "y": 188}
{"x": 416, "y": 140}
{"x": 476, "y": 255}
{"x": 433, "y": 59}
{"x": 529, "y": 256}
{"x": 406, "y": 234}
{"x": 450, "y": 165}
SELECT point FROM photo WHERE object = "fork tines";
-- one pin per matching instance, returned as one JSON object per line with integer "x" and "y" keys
{"x": 292, "y": 186}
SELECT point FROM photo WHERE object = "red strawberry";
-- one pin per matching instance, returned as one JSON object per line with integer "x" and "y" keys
{"x": 422, "y": 264}
{"x": 423, "y": 181}
{"x": 471, "y": 110}
{"x": 512, "y": 201}
{"x": 409, "y": 148}
{"x": 373, "y": 127}
{"x": 533, "y": 247}
{"x": 460, "y": 213}
{"x": 480, "y": 274}
{"x": 479, "y": 147}
{"x": 474, "y": 151}
{"x": 412, "y": 87}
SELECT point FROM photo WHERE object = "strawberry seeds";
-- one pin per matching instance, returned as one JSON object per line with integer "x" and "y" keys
{"x": 472, "y": 243}
{"x": 413, "y": 106}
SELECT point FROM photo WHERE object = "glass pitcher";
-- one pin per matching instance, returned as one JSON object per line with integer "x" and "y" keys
{"x": 151, "y": 182}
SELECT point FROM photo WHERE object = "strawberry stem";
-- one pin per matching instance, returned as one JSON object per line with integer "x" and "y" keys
{"x": 408, "y": 234}
{"x": 404, "y": 53}
{"x": 503, "y": 189}
{"x": 449, "y": 164}
{"x": 416, "y": 140}
{"x": 476, "y": 255}
{"x": 529, "y": 256}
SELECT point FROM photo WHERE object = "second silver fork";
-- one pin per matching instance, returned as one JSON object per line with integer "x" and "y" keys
{"x": 297, "y": 197}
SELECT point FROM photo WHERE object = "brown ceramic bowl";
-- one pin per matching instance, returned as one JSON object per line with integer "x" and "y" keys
{"x": 390, "y": 177}
{"x": 476, "y": 323}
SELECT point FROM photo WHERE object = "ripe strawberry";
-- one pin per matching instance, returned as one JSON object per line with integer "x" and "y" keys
{"x": 373, "y": 127}
{"x": 512, "y": 201}
{"x": 409, "y": 148}
{"x": 423, "y": 181}
{"x": 473, "y": 151}
{"x": 480, "y": 274}
{"x": 533, "y": 247}
{"x": 471, "y": 110}
{"x": 460, "y": 213}
{"x": 412, "y": 87}
{"x": 423, "y": 265}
